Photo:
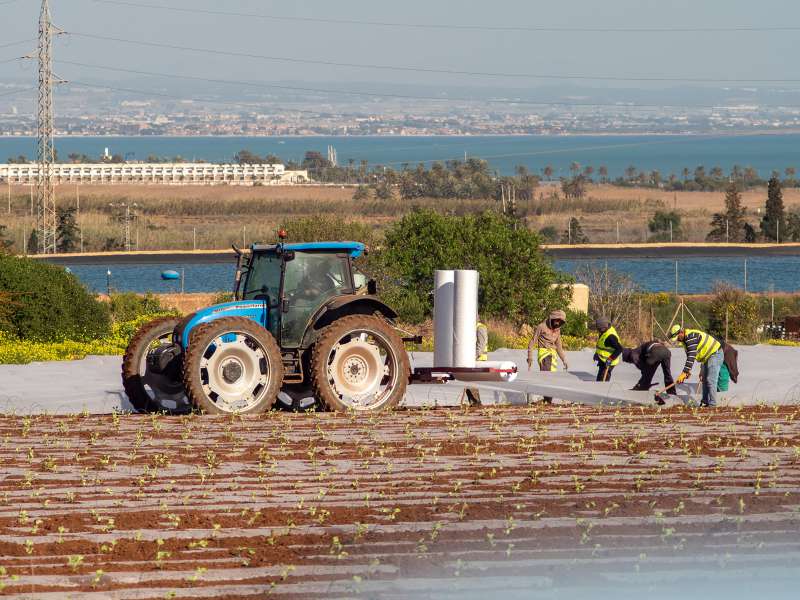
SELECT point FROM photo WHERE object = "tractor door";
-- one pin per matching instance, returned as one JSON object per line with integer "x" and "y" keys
{"x": 310, "y": 280}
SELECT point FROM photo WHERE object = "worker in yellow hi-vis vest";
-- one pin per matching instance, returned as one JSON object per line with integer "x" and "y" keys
{"x": 608, "y": 352}
{"x": 482, "y": 343}
{"x": 704, "y": 348}
{"x": 481, "y": 355}
{"x": 546, "y": 341}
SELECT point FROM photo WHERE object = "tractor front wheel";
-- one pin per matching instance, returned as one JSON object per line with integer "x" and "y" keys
{"x": 147, "y": 390}
{"x": 359, "y": 363}
{"x": 232, "y": 365}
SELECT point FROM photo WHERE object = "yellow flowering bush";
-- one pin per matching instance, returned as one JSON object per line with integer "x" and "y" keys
{"x": 20, "y": 352}
{"x": 786, "y": 343}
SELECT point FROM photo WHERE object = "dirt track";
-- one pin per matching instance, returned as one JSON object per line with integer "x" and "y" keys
{"x": 421, "y": 503}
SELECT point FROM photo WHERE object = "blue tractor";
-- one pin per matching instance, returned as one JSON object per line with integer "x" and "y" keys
{"x": 303, "y": 319}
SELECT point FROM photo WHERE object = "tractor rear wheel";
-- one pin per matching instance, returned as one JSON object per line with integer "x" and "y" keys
{"x": 359, "y": 363}
{"x": 232, "y": 365}
{"x": 149, "y": 391}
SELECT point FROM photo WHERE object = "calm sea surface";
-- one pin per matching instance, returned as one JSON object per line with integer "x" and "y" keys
{"x": 668, "y": 154}
{"x": 695, "y": 275}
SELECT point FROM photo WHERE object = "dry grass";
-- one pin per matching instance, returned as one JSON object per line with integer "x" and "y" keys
{"x": 171, "y": 216}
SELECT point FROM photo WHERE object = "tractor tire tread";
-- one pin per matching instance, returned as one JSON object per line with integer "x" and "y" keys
{"x": 131, "y": 379}
{"x": 323, "y": 391}
{"x": 194, "y": 352}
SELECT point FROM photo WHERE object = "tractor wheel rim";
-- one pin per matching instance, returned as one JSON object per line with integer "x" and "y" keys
{"x": 163, "y": 391}
{"x": 363, "y": 369}
{"x": 235, "y": 372}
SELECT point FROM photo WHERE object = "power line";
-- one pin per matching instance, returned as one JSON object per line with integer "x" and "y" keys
{"x": 435, "y": 71}
{"x": 9, "y": 44}
{"x": 440, "y": 26}
{"x": 311, "y": 61}
{"x": 415, "y": 69}
{"x": 358, "y": 93}
{"x": 28, "y": 89}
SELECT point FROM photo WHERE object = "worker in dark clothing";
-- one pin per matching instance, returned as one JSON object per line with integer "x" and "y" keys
{"x": 647, "y": 358}
{"x": 609, "y": 349}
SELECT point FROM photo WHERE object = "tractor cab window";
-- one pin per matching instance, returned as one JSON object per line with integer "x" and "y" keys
{"x": 311, "y": 279}
{"x": 263, "y": 277}
{"x": 314, "y": 277}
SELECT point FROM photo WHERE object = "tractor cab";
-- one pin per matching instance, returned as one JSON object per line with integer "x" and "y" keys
{"x": 297, "y": 281}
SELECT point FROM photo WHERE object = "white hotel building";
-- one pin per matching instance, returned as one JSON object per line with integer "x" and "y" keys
{"x": 157, "y": 173}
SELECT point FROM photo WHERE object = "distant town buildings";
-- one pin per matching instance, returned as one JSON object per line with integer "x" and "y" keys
{"x": 160, "y": 173}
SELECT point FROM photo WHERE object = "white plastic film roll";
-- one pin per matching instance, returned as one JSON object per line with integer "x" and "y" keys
{"x": 465, "y": 318}
{"x": 443, "y": 295}
{"x": 499, "y": 372}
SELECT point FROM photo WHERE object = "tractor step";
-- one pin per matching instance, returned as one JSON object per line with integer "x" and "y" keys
{"x": 292, "y": 369}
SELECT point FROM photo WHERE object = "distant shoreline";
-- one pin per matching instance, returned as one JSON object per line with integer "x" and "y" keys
{"x": 710, "y": 134}
{"x": 561, "y": 252}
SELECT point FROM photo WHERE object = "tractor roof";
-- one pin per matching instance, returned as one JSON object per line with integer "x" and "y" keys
{"x": 354, "y": 249}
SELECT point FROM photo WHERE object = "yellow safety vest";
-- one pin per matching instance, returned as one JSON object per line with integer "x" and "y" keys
{"x": 605, "y": 352}
{"x": 708, "y": 346}
{"x": 483, "y": 357}
{"x": 544, "y": 353}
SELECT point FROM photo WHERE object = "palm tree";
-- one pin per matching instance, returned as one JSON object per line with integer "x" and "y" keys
{"x": 548, "y": 172}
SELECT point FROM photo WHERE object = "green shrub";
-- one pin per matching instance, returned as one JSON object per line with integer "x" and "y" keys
{"x": 130, "y": 306}
{"x": 49, "y": 304}
{"x": 739, "y": 310}
{"x": 410, "y": 308}
{"x": 516, "y": 278}
{"x": 577, "y": 324}
{"x": 497, "y": 341}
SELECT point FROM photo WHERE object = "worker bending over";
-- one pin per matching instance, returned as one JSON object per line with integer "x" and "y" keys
{"x": 609, "y": 349}
{"x": 546, "y": 341}
{"x": 647, "y": 358}
{"x": 704, "y": 348}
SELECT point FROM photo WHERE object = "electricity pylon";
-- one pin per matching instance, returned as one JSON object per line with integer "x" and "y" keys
{"x": 45, "y": 195}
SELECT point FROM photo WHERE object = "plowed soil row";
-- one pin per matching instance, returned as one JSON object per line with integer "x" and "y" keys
{"x": 422, "y": 503}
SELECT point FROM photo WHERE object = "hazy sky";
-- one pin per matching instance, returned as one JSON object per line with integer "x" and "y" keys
{"x": 760, "y": 55}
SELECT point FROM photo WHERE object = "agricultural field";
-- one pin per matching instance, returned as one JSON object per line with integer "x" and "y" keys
{"x": 536, "y": 501}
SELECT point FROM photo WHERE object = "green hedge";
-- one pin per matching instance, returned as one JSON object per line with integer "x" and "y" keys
{"x": 48, "y": 304}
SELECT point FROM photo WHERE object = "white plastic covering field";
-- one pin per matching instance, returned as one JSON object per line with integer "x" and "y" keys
{"x": 768, "y": 374}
